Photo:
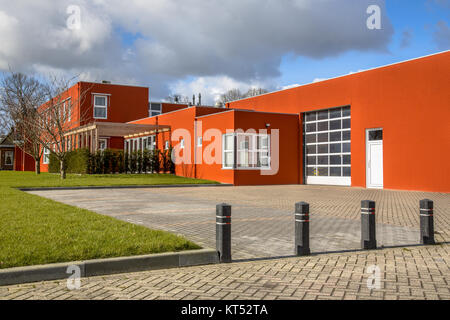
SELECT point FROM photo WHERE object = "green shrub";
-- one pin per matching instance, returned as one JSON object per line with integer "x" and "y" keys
{"x": 155, "y": 161}
{"x": 139, "y": 161}
{"x": 146, "y": 163}
{"x": 77, "y": 161}
{"x": 115, "y": 161}
{"x": 133, "y": 162}
{"x": 126, "y": 162}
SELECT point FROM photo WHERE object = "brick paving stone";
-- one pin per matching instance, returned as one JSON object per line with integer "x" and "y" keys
{"x": 263, "y": 215}
{"x": 262, "y": 226}
{"x": 262, "y": 279}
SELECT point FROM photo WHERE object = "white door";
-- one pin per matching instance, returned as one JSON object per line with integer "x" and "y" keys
{"x": 374, "y": 158}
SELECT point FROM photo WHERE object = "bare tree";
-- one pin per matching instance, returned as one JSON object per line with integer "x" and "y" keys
{"x": 253, "y": 92}
{"x": 235, "y": 94}
{"x": 177, "y": 98}
{"x": 58, "y": 116}
{"x": 20, "y": 96}
{"x": 230, "y": 95}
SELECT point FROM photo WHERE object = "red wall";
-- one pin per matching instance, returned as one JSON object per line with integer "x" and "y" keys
{"x": 409, "y": 100}
{"x": 125, "y": 103}
{"x": 21, "y": 164}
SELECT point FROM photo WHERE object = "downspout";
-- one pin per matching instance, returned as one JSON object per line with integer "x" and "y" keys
{"x": 195, "y": 148}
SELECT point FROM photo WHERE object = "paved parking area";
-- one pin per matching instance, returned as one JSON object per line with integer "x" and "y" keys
{"x": 263, "y": 220}
{"x": 405, "y": 273}
{"x": 262, "y": 226}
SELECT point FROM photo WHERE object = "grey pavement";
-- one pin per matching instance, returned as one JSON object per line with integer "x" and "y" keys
{"x": 261, "y": 227}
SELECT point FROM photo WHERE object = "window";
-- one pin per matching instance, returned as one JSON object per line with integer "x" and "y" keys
{"x": 166, "y": 145}
{"x": 151, "y": 143}
{"x": 181, "y": 144}
{"x": 375, "y": 135}
{"x": 228, "y": 151}
{"x": 67, "y": 110}
{"x": 250, "y": 151}
{"x": 199, "y": 141}
{"x": 100, "y": 107}
{"x": 9, "y": 158}
{"x": 155, "y": 109}
{"x": 46, "y": 158}
{"x": 102, "y": 144}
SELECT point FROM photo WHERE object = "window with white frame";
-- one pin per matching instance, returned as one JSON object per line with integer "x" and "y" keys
{"x": 100, "y": 106}
{"x": 228, "y": 151}
{"x": 46, "y": 156}
{"x": 166, "y": 145}
{"x": 68, "y": 110}
{"x": 151, "y": 143}
{"x": 249, "y": 150}
{"x": 102, "y": 144}
{"x": 155, "y": 109}
{"x": 9, "y": 155}
{"x": 199, "y": 141}
{"x": 181, "y": 144}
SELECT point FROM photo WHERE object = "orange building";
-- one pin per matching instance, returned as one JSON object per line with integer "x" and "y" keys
{"x": 383, "y": 128}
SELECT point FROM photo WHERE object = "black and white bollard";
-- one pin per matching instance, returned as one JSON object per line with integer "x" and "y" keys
{"x": 302, "y": 229}
{"x": 223, "y": 232}
{"x": 426, "y": 222}
{"x": 368, "y": 230}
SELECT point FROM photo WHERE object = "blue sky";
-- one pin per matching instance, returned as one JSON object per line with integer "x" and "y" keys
{"x": 419, "y": 18}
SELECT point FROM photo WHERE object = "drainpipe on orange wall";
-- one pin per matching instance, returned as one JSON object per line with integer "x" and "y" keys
{"x": 195, "y": 148}
{"x": 156, "y": 135}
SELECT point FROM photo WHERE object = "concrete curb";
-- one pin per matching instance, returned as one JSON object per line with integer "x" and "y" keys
{"x": 98, "y": 267}
{"x": 125, "y": 187}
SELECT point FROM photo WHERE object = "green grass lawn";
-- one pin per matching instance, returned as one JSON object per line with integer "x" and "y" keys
{"x": 34, "y": 230}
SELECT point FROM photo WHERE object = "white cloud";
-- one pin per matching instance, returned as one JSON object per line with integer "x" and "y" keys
{"x": 212, "y": 87}
{"x": 290, "y": 86}
{"x": 169, "y": 40}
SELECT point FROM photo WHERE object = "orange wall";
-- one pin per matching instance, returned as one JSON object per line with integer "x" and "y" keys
{"x": 223, "y": 120}
{"x": 410, "y": 101}
{"x": 289, "y": 160}
{"x": 233, "y": 120}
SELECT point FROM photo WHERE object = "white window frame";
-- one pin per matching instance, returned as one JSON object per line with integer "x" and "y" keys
{"x": 103, "y": 140}
{"x": 6, "y": 157}
{"x": 105, "y": 106}
{"x": 46, "y": 156}
{"x": 69, "y": 109}
{"x": 154, "y": 113}
{"x": 226, "y": 151}
{"x": 252, "y": 151}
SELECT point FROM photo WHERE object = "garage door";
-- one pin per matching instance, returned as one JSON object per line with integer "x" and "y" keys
{"x": 327, "y": 142}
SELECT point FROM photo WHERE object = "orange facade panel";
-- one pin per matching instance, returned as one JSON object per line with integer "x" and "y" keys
{"x": 410, "y": 101}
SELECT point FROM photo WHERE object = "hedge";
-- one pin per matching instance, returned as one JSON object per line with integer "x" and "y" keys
{"x": 115, "y": 161}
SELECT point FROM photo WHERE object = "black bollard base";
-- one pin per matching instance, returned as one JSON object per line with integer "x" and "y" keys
{"x": 368, "y": 225}
{"x": 302, "y": 229}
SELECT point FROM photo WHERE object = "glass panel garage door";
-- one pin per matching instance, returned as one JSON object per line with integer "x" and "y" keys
{"x": 327, "y": 147}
